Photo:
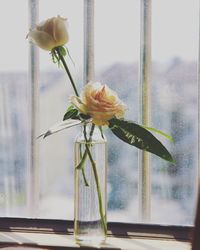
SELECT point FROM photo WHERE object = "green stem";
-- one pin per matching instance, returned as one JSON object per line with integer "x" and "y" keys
{"x": 86, "y": 145}
{"x": 67, "y": 70}
{"x": 91, "y": 131}
{"x": 76, "y": 92}
{"x": 82, "y": 162}
{"x": 84, "y": 157}
{"x": 96, "y": 180}
{"x": 84, "y": 178}
{"x": 82, "y": 169}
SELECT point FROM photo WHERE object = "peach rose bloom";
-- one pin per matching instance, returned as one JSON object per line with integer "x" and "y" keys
{"x": 99, "y": 102}
{"x": 50, "y": 33}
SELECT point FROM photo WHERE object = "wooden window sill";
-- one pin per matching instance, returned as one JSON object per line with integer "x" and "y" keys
{"x": 53, "y": 234}
{"x": 56, "y": 241}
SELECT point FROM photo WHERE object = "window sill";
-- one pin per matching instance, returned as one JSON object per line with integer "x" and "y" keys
{"x": 55, "y": 234}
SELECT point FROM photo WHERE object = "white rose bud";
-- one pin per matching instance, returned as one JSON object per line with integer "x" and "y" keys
{"x": 99, "y": 102}
{"x": 50, "y": 33}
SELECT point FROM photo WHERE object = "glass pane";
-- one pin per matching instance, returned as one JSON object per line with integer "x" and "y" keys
{"x": 117, "y": 47}
{"x": 117, "y": 52}
{"x": 14, "y": 118}
{"x": 175, "y": 108}
{"x": 57, "y": 151}
{"x": 115, "y": 66}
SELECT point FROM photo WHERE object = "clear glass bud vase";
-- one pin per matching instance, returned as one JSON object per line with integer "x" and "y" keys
{"x": 90, "y": 224}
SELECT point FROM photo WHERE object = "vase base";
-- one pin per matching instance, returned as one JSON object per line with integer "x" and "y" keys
{"x": 90, "y": 240}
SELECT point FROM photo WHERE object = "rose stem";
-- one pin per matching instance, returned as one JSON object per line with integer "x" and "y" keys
{"x": 67, "y": 70}
{"x": 82, "y": 169}
{"x": 87, "y": 149}
{"x": 96, "y": 180}
{"x": 83, "y": 158}
{"x": 76, "y": 92}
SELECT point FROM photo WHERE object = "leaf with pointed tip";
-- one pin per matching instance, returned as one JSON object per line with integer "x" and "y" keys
{"x": 139, "y": 137}
{"x": 159, "y": 132}
{"x": 72, "y": 113}
{"x": 60, "y": 126}
{"x": 69, "y": 56}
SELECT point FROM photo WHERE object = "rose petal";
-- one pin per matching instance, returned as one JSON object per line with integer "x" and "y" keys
{"x": 60, "y": 31}
{"x": 50, "y": 33}
{"x": 99, "y": 102}
{"x": 41, "y": 39}
{"x": 76, "y": 101}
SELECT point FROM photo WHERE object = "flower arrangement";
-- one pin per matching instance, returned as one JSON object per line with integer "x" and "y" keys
{"x": 97, "y": 104}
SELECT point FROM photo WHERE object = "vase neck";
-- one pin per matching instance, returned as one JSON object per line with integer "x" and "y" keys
{"x": 92, "y": 132}
{"x": 89, "y": 129}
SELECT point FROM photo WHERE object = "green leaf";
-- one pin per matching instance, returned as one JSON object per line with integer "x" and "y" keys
{"x": 72, "y": 113}
{"x": 70, "y": 56}
{"x": 139, "y": 137}
{"x": 62, "y": 51}
{"x": 60, "y": 126}
{"x": 159, "y": 132}
{"x": 55, "y": 57}
{"x": 70, "y": 107}
{"x": 82, "y": 162}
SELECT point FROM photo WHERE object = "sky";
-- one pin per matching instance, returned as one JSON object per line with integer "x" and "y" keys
{"x": 117, "y": 31}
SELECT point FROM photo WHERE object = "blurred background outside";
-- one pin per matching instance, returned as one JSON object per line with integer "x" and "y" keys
{"x": 174, "y": 107}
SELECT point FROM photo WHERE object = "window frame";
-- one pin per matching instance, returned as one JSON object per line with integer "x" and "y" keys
{"x": 65, "y": 227}
{"x": 89, "y": 75}
{"x": 128, "y": 231}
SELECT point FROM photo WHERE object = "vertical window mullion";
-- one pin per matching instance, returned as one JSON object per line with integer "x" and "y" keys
{"x": 145, "y": 69}
{"x": 89, "y": 72}
{"x": 33, "y": 74}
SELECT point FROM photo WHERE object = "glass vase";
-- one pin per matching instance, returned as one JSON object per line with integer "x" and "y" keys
{"x": 90, "y": 223}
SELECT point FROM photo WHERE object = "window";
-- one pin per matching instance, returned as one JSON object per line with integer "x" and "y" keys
{"x": 14, "y": 119}
{"x": 174, "y": 109}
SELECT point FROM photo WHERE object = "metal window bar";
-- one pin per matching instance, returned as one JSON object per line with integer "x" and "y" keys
{"x": 33, "y": 73}
{"x": 144, "y": 83}
{"x": 89, "y": 73}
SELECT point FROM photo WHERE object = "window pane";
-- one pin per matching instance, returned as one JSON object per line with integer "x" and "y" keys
{"x": 117, "y": 51}
{"x": 57, "y": 151}
{"x": 14, "y": 118}
{"x": 175, "y": 108}
{"x": 115, "y": 66}
{"x": 117, "y": 47}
